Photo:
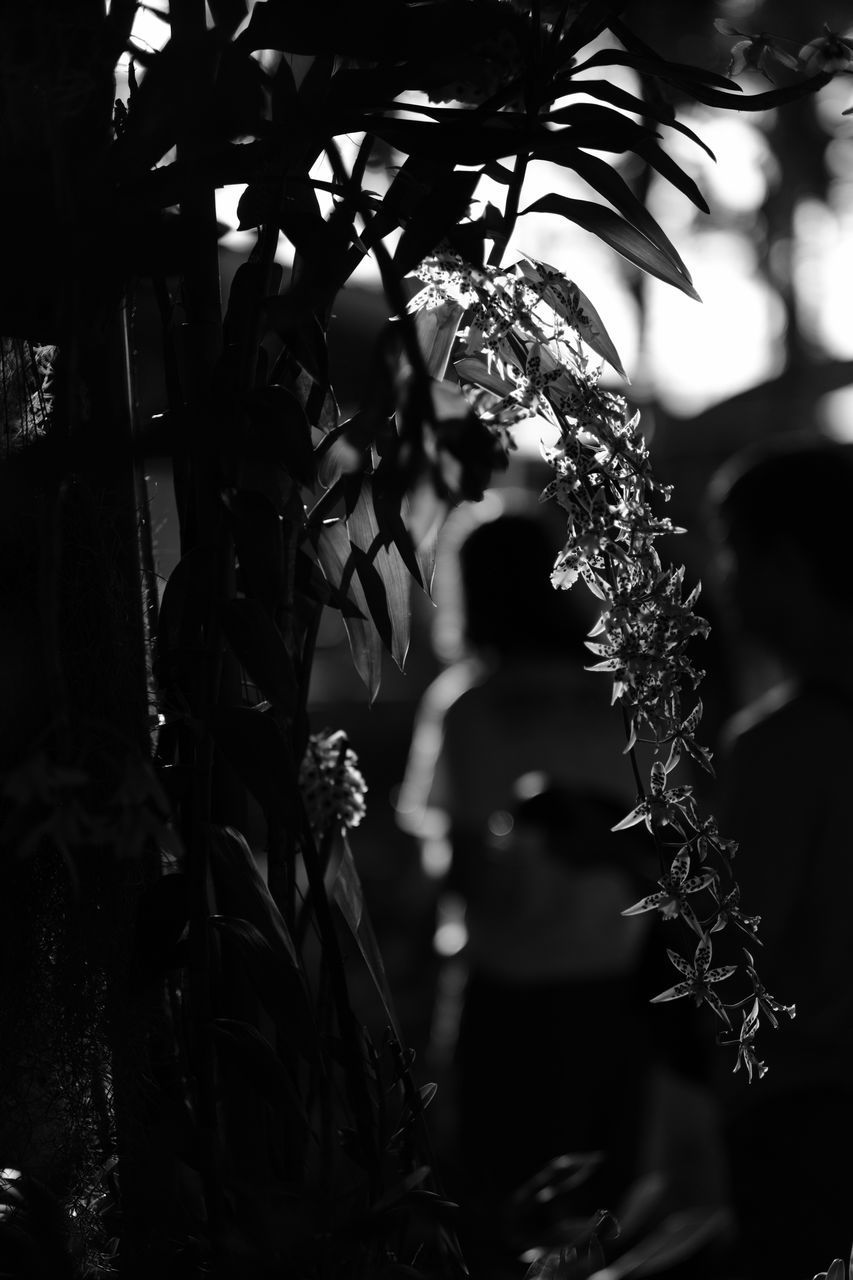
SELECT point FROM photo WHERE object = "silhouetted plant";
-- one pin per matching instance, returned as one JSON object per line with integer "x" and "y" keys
{"x": 257, "y": 1125}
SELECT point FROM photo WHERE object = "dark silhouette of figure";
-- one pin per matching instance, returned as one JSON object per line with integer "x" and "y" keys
{"x": 517, "y": 761}
{"x": 783, "y": 515}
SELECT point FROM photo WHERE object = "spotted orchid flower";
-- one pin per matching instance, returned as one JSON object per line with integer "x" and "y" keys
{"x": 663, "y": 806}
{"x": 699, "y": 977}
{"x": 768, "y": 1004}
{"x": 730, "y": 913}
{"x": 671, "y": 899}
{"x": 746, "y": 1055}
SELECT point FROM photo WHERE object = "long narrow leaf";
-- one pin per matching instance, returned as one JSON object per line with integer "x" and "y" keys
{"x": 347, "y": 894}
{"x": 586, "y": 124}
{"x": 705, "y": 86}
{"x": 604, "y": 179}
{"x": 617, "y": 233}
{"x": 242, "y": 886}
{"x": 467, "y": 143}
{"x": 333, "y": 552}
{"x": 392, "y": 612}
{"x": 605, "y": 91}
{"x": 436, "y": 328}
{"x": 643, "y": 59}
{"x": 594, "y": 16}
{"x": 667, "y": 168}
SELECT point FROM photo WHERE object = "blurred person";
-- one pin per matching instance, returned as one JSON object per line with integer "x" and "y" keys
{"x": 553, "y": 1050}
{"x": 782, "y": 513}
{"x": 554, "y": 1043}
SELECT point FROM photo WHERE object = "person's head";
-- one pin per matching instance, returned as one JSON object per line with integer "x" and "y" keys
{"x": 782, "y": 514}
{"x": 510, "y": 605}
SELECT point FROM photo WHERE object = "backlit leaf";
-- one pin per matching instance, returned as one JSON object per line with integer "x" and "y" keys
{"x": 346, "y": 892}
{"x": 618, "y": 97}
{"x": 622, "y": 237}
{"x": 436, "y": 329}
{"x": 388, "y": 598}
{"x": 241, "y": 884}
{"x": 604, "y": 179}
{"x": 333, "y": 552}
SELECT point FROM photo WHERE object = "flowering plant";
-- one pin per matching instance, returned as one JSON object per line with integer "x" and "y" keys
{"x": 530, "y": 345}
{"x": 292, "y": 1139}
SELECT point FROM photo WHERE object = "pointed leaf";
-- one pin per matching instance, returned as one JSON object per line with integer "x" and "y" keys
{"x": 475, "y": 369}
{"x": 667, "y": 168}
{"x": 618, "y": 97}
{"x": 347, "y": 893}
{"x": 375, "y": 594}
{"x": 333, "y": 552}
{"x": 600, "y": 128}
{"x": 389, "y": 506}
{"x": 617, "y": 233}
{"x": 436, "y": 328}
{"x": 469, "y": 142}
{"x": 643, "y": 59}
{"x": 604, "y": 179}
{"x": 383, "y": 576}
{"x": 228, "y": 14}
{"x": 569, "y": 302}
{"x": 589, "y": 20}
{"x": 239, "y": 879}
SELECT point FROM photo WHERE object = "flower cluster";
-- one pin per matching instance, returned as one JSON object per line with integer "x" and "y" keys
{"x": 331, "y": 783}
{"x": 529, "y": 350}
{"x": 827, "y": 55}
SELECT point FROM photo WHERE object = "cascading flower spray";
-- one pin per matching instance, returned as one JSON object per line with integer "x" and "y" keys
{"x": 529, "y": 349}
